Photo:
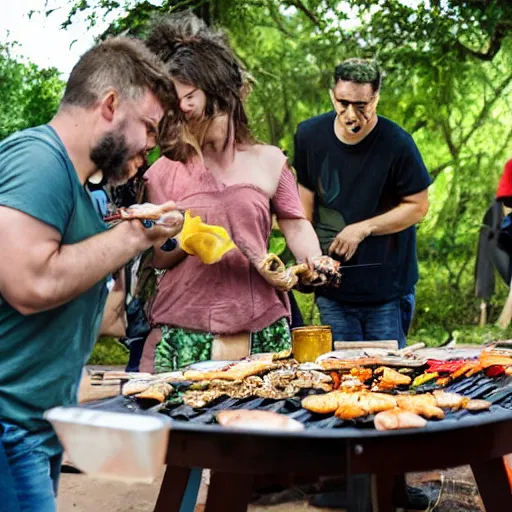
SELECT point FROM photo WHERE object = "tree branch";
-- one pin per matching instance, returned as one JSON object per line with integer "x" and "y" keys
{"x": 274, "y": 14}
{"x": 434, "y": 173}
{"x": 495, "y": 43}
{"x": 485, "y": 110}
{"x": 454, "y": 151}
{"x": 301, "y": 7}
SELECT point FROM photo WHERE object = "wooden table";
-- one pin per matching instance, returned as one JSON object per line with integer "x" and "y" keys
{"x": 235, "y": 457}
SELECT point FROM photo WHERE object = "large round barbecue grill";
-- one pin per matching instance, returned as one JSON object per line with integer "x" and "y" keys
{"x": 329, "y": 446}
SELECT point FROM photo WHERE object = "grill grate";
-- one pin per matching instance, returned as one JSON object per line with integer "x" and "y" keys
{"x": 496, "y": 390}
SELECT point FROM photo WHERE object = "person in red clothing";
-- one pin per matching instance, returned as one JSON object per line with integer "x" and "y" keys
{"x": 504, "y": 192}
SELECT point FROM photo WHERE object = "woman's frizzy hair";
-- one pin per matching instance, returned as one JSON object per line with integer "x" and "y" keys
{"x": 200, "y": 56}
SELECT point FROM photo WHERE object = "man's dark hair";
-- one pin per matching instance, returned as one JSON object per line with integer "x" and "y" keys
{"x": 123, "y": 64}
{"x": 198, "y": 55}
{"x": 360, "y": 71}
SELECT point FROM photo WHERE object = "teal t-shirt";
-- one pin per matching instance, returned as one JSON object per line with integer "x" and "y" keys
{"x": 42, "y": 355}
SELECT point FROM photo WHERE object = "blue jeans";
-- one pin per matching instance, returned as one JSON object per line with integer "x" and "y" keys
{"x": 359, "y": 322}
{"x": 29, "y": 477}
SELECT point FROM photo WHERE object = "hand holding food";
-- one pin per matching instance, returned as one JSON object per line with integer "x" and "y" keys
{"x": 323, "y": 270}
{"x": 319, "y": 271}
{"x": 273, "y": 270}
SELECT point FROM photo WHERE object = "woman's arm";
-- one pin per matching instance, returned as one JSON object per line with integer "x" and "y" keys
{"x": 163, "y": 260}
{"x": 300, "y": 238}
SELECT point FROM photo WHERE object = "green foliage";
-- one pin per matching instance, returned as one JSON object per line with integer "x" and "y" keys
{"x": 448, "y": 81}
{"x": 308, "y": 309}
{"x": 108, "y": 351}
{"x": 277, "y": 242}
{"x": 30, "y": 95}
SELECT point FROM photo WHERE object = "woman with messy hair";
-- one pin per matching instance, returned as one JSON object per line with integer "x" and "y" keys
{"x": 212, "y": 166}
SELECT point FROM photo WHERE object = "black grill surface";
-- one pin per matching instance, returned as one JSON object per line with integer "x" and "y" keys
{"x": 496, "y": 390}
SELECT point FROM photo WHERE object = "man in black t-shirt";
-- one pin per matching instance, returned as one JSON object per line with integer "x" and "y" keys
{"x": 364, "y": 185}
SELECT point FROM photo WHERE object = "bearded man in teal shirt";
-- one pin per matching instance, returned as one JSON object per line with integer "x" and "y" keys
{"x": 56, "y": 252}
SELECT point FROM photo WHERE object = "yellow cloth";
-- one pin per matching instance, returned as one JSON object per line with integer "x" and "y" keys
{"x": 208, "y": 243}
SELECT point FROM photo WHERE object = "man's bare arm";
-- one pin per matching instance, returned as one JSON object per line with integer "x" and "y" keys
{"x": 307, "y": 198}
{"x": 39, "y": 273}
{"x": 409, "y": 212}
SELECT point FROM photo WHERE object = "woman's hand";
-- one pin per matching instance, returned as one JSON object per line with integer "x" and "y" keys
{"x": 273, "y": 270}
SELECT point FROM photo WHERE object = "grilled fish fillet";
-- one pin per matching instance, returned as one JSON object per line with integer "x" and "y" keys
{"x": 398, "y": 419}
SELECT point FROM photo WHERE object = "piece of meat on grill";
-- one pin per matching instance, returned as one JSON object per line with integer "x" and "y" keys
{"x": 356, "y": 405}
{"x": 134, "y": 386}
{"x": 447, "y": 400}
{"x": 199, "y": 399}
{"x": 157, "y": 391}
{"x": 147, "y": 211}
{"x": 398, "y": 419}
{"x": 312, "y": 379}
{"x": 257, "y": 420}
{"x": 424, "y": 405}
{"x": 363, "y": 374}
{"x": 477, "y": 405}
{"x": 323, "y": 404}
{"x": 349, "y": 407}
{"x": 390, "y": 379}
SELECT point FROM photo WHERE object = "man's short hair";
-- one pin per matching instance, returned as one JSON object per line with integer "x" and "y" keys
{"x": 360, "y": 71}
{"x": 123, "y": 64}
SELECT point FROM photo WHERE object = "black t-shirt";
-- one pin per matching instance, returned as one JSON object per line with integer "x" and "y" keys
{"x": 356, "y": 182}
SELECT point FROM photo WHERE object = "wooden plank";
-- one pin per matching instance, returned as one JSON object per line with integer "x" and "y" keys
{"x": 385, "y": 344}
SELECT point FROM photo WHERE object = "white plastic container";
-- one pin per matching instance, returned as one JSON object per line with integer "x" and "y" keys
{"x": 110, "y": 444}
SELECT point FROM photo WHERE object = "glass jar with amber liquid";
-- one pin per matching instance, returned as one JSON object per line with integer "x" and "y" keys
{"x": 311, "y": 341}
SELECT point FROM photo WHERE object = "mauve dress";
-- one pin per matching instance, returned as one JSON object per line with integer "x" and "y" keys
{"x": 230, "y": 296}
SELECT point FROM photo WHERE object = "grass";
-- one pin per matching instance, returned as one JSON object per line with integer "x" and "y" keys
{"x": 108, "y": 351}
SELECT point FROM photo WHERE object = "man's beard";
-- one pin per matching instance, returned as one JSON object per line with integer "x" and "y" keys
{"x": 111, "y": 156}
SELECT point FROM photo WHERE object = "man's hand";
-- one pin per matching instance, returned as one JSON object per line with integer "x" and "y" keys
{"x": 348, "y": 239}
{"x": 168, "y": 225}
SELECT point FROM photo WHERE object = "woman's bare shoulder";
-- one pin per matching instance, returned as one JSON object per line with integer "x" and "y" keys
{"x": 271, "y": 157}
{"x": 268, "y": 151}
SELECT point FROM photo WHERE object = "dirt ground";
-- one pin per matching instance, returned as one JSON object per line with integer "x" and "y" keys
{"x": 81, "y": 493}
